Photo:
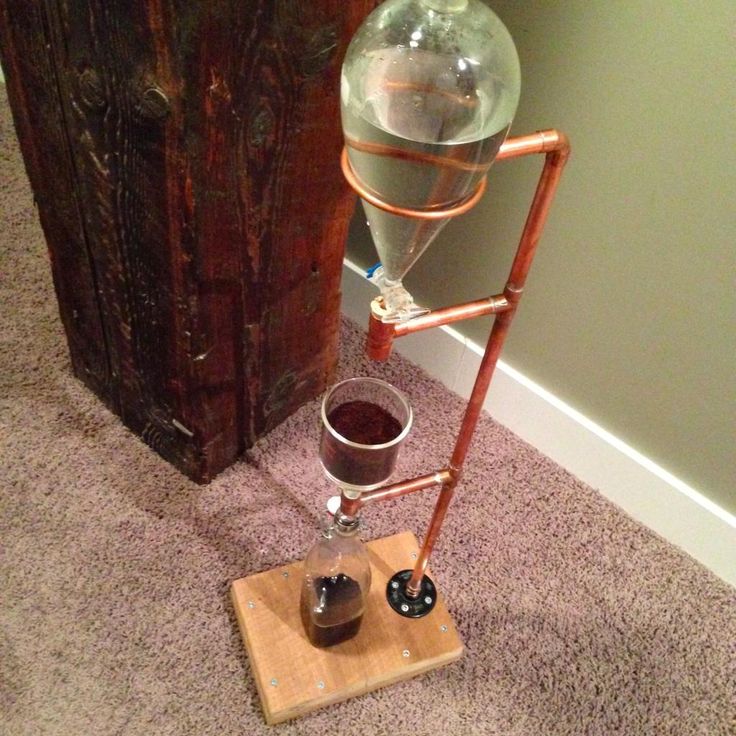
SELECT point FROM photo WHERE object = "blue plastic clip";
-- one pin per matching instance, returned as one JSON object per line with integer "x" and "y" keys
{"x": 373, "y": 269}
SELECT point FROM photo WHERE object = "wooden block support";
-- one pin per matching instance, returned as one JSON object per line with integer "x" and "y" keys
{"x": 185, "y": 162}
{"x": 294, "y": 678}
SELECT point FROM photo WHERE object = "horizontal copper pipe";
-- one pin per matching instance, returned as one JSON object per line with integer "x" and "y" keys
{"x": 351, "y": 506}
{"x": 406, "y": 486}
{"x": 381, "y": 334}
{"x": 543, "y": 141}
{"x": 447, "y": 315}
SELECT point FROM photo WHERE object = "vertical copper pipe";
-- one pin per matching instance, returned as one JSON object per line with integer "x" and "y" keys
{"x": 557, "y": 150}
{"x": 413, "y": 587}
{"x": 462, "y": 443}
{"x": 554, "y": 163}
{"x": 349, "y": 506}
{"x": 380, "y": 337}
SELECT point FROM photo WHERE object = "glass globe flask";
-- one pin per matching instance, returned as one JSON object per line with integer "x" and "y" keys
{"x": 428, "y": 92}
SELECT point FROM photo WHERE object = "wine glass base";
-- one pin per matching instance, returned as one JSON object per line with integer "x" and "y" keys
{"x": 352, "y": 491}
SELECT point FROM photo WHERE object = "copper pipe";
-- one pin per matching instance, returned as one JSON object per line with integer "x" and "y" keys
{"x": 462, "y": 443}
{"x": 447, "y": 315}
{"x": 557, "y": 149}
{"x": 406, "y": 486}
{"x": 413, "y": 587}
{"x": 554, "y": 163}
{"x": 480, "y": 387}
{"x": 543, "y": 141}
{"x": 552, "y": 142}
{"x": 381, "y": 334}
{"x": 446, "y": 212}
{"x": 351, "y": 506}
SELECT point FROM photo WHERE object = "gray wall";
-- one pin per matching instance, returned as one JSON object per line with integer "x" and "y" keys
{"x": 629, "y": 312}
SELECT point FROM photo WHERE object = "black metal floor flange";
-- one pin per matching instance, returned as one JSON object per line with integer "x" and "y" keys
{"x": 410, "y": 607}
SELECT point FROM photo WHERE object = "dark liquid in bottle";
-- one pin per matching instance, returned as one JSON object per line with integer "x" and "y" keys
{"x": 335, "y": 611}
{"x": 367, "y": 424}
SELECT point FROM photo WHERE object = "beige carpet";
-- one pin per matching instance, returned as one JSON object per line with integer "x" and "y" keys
{"x": 115, "y": 617}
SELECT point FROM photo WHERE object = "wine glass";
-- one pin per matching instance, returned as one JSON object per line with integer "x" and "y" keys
{"x": 365, "y": 421}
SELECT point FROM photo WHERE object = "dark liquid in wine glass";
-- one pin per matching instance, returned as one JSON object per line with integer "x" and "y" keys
{"x": 338, "y": 613}
{"x": 365, "y": 423}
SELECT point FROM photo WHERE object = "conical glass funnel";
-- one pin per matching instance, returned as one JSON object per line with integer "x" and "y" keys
{"x": 429, "y": 89}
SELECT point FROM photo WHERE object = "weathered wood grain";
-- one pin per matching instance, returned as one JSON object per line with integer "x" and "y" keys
{"x": 197, "y": 147}
{"x": 33, "y": 89}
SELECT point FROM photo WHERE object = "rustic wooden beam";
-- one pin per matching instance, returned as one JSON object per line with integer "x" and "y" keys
{"x": 184, "y": 156}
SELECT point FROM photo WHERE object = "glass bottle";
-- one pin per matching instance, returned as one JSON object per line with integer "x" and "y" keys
{"x": 428, "y": 92}
{"x": 337, "y": 578}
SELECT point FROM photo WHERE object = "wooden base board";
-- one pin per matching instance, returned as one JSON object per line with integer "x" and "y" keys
{"x": 294, "y": 678}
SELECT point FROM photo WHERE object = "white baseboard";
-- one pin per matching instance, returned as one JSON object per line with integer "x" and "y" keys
{"x": 645, "y": 490}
